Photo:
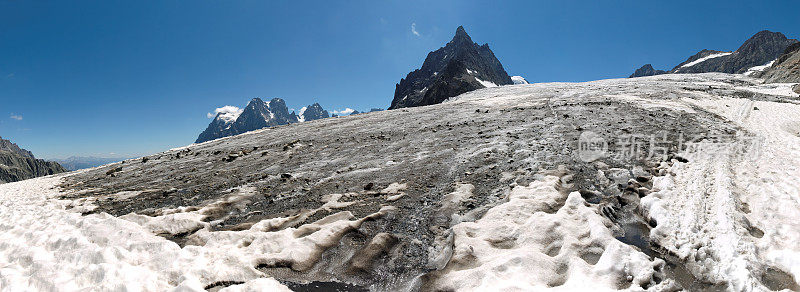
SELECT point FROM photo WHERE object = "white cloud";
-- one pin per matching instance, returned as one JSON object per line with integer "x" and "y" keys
{"x": 227, "y": 113}
{"x": 16, "y": 117}
{"x": 344, "y": 112}
{"x": 414, "y": 29}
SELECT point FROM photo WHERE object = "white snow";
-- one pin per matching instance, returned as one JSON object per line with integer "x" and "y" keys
{"x": 300, "y": 116}
{"x": 519, "y": 80}
{"x": 706, "y": 58}
{"x": 755, "y": 69}
{"x": 486, "y": 83}
{"x": 532, "y": 243}
{"x": 227, "y": 113}
{"x": 47, "y": 247}
{"x": 705, "y": 208}
{"x": 470, "y": 72}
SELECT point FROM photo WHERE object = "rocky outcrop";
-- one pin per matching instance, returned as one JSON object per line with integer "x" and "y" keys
{"x": 647, "y": 70}
{"x": 760, "y": 49}
{"x": 258, "y": 115}
{"x": 313, "y": 112}
{"x": 11, "y": 147}
{"x": 786, "y": 68}
{"x": 458, "y": 67}
{"x": 18, "y": 164}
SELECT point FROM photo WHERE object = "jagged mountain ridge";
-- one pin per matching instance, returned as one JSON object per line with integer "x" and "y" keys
{"x": 460, "y": 66}
{"x": 259, "y": 114}
{"x": 18, "y": 164}
{"x": 759, "y": 50}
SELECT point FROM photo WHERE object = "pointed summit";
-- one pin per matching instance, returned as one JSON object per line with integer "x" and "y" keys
{"x": 461, "y": 36}
{"x": 458, "y": 67}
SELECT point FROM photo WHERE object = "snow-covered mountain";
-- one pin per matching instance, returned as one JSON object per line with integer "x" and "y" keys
{"x": 458, "y": 67}
{"x": 762, "y": 48}
{"x": 257, "y": 115}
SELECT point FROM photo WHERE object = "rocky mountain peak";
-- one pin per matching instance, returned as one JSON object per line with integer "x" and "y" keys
{"x": 12, "y": 147}
{"x": 259, "y": 114}
{"x": 458, "y": 67}
{"x": 461, "y": 36}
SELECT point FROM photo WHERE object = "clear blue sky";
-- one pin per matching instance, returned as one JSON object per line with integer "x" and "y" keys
{"x": 138, "y": 77}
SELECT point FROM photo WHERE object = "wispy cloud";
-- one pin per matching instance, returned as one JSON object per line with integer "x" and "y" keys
{"x": 344, "y": 112}
{"x": 16, "y": 117}
{"x": 10, "y": 75}
{"x": 227, "y": 113}
{"x": 414, "y": 29}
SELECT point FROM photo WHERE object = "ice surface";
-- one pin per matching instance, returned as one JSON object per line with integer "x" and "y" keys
{"x": 542, "y": 238}
{"x": 45, "y": 247}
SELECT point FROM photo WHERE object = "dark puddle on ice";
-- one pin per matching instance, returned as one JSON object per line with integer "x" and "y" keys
{"x": 637, "y": 234}
{"x": 324, "y": 287}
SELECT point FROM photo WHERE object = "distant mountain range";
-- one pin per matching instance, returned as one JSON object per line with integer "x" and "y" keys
{"x": 18, "y": 164}
{"x": 259, "y": 114}
{"x": 758, "y": 51}
{"x": 83, "y": 162}
{"x": 460, "y": 66}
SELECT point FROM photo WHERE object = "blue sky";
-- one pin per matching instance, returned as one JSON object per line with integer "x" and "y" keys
{"x": 138, "y": 77}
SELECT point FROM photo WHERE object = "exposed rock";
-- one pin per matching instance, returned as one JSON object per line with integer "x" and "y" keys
{"x": 313, "y": 112}
{"x": 760, "y": 49}
{"x": 786, "y": 68}
{"x": 646, "y": 70}
{"x": 18, "y": 164}
{"x": 458, "y": 67}
{"x": 12, "y": 147}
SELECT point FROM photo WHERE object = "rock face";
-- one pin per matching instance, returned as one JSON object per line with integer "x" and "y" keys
{"x": 6, "y": 145}
{"x": 18, "y": 164}
{"x": 647, "y": 70}
{"x": 786, "y": 68}
{"x": 257, "y": 115}
{"x": 313, "y": 112}
{"x": 458, "y": 67}
{"x": 759, "y": 50}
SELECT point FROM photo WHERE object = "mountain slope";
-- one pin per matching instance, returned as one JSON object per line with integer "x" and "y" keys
{"x": 786, "y": 68}
{"x": 458, "y": 67}
{"x": 762, "y": 48}
{"x": 18, "y": 164}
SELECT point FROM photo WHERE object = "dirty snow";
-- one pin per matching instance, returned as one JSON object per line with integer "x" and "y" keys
{"x": 781, "y": 89}
{"x": 532, "y": 243}
{"x": 46, "y": 247}
{"x": 733, "y": 215}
